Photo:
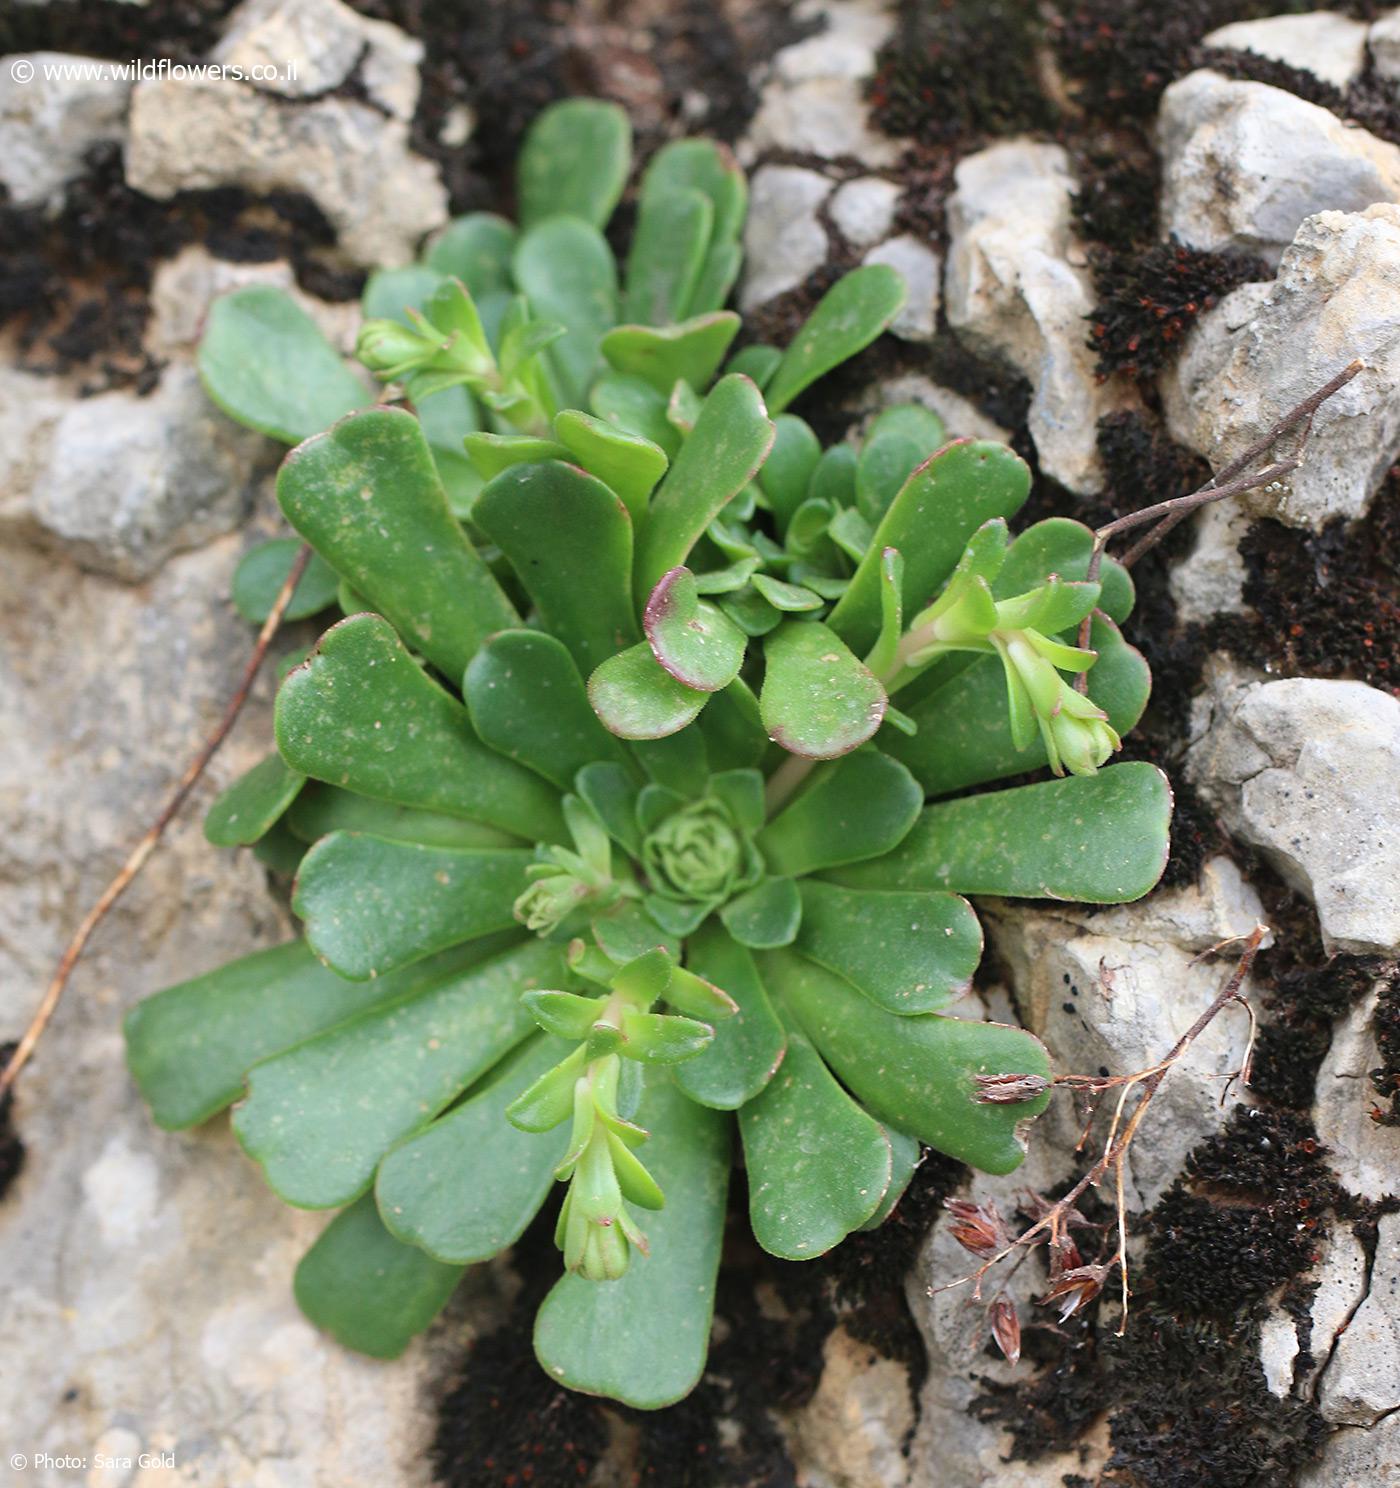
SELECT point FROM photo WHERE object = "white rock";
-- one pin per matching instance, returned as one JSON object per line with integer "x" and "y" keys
{"x": 1356, "y": 1457}
{"x": 1243, "y": 164}
{"x": 1305, "y": 770}
{"x": 308, "y": 47}
{"x": 1017, "y": 292}
{"x": 814, "y": 103}
{"x": 148, "y": 1273}
{"x": 184, "y": 287}
{"x": 851, "y": 1433}
{"x": 1330, "y": 46}
{"x": 1278, "y": 1348}
{"x": 354, "y": 163}
{"x": 1210, "y": 580}
{"x": 961, "y": 417}
{"x": 119, "y": 482}
{"x": 49, "y": 123}
{"x": 1384, "y": 43}
{"x": 1366, "y": 1156}
{"x": 864, "y": 209}
{"x": 1362, "y": 1381}
{"x": 1341, "y": 1274}
{"x": 922, "y": 270}
{"x": 1116, "y": 989}
{"x": 1256, "y": 355}
{"x": 783, "y": 241}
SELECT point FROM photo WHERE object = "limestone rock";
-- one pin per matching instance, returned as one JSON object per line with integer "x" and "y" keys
{"x": 309, "y": 47}
{"x": 864, "y": 209}
{"x": 961, "y": 417}
{"x": 783, "y": 241}
{"x": 1305, "y": 769}
{"x": 119, "y": 482}
{"x": 1362, "y": 1382}
{"x": 1243, "y": 164}
{"x": 1017, "y": 292}
{"x": 814, "y": 103}
{"x": 921, "y": 269}
{"x": 184, "y": 287}
{"x": 1384, "y": 43}
{"x": 1257, "y": 354}
{"x": 149, "y": 1273}
{"x": 851, "y": 1434}
{"x": 1356, "y": 1457}
{"x": 48, "y": 123}
{"x": 354, "y": 163}
{"x": 1116, "y": 989}
{"x": 1330, "y": 46}
{"x": 1366, "y": 1156}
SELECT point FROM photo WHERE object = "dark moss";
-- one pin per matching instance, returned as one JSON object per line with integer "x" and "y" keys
{"x": 11, "y": 1147}
{"x": 1121, "y": 54}
{"x": 1149, "y": 301}
{"x": 1385, "y": 1078}
{"x": 1247, "y": 1214}
{"x": 1328, "y": 603}
{"x": 1115, "y": 206}
{"x": 961, "y": 70}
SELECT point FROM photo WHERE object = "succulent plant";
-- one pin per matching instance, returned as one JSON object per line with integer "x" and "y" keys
{"x": 608, "y": 835}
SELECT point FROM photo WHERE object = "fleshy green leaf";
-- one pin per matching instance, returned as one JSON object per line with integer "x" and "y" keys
{"x": 917, "y": 1073}
{"x": 569, "y": 539}
{"x": 492, "y": 453}
{"x": 757, "y": 362}
{"x": 709, "y": 168}
{"x": 886, "y": 462}
{"x": 1099, "y": 839}
{"x": 730, "y": 441}
{"x": 264, "y": 361}
{"x": 913, "y": 420}
{"x": 748, "y": 1047}
{"x": 668, "y": 252}
{"x": 258, "y": 580}
{"x": 906, "y": 1154}
{"x": 527, "y": 700}
{"x": 319, "y": 1117}
{"x": 190, "y": 1045}
{"x": 860, "y": 807}
{"x": 637, "y": 698}
{"x": 964, "y": 733}
{"x": 371, "y": 905}
{"x": 692, "y": 640}
{"x": 661, "y": 356}
{"x": 907, "y": 952}
{"x": 643, "y": 1339}
{"x": 818, "y": 700}
{"x": 477, "y": 249}
{"x": 321, "y": 809}
{"x": 465, "y": 1187}
{"x": 834, "y": 479}
{"x": 574, "y": 162}
{"x": 789, "y": 468}
{"x": 626, "y": 463}
{"x": 279, "y": 849}
{"x": 626, "y": 931}
{"x": 565, "y": 269}
{"x": 732, "y": 728}
{"x": 768, "y": 915}
{"x": 940, "y": 506}
{"x": 371, "y": 1292}
{"x": 1061, "y": 546}
{"x": 612, "y": 793}
{"x": 361, "y": 713}
{"x": 846, "y": 320}
{"x": 367, "y": 497}
{"x": 248, "y": 808}
{"x": 818, "y": 1165}
{"x": 791, "y": 599}
{"x": 634, "y": 406}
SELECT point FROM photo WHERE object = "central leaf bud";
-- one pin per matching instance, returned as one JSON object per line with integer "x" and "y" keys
{"x": 696, "y": 854}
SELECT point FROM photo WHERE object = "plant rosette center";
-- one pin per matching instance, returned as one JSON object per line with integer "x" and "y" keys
{"x": 699, "y": 855}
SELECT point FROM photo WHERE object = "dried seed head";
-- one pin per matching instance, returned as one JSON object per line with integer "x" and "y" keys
{"x": 978, "y": 1227}
{"x": 1075, "y": 1288}
{"x": 1006, "y": 1090}
{"x": 1006, "y": 1328}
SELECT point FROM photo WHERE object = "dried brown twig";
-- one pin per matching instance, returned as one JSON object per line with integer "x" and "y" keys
{"x": 136, "y": 859}
{"x": 1078, "y": 1282}
{"x": 1231, "y": 480}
